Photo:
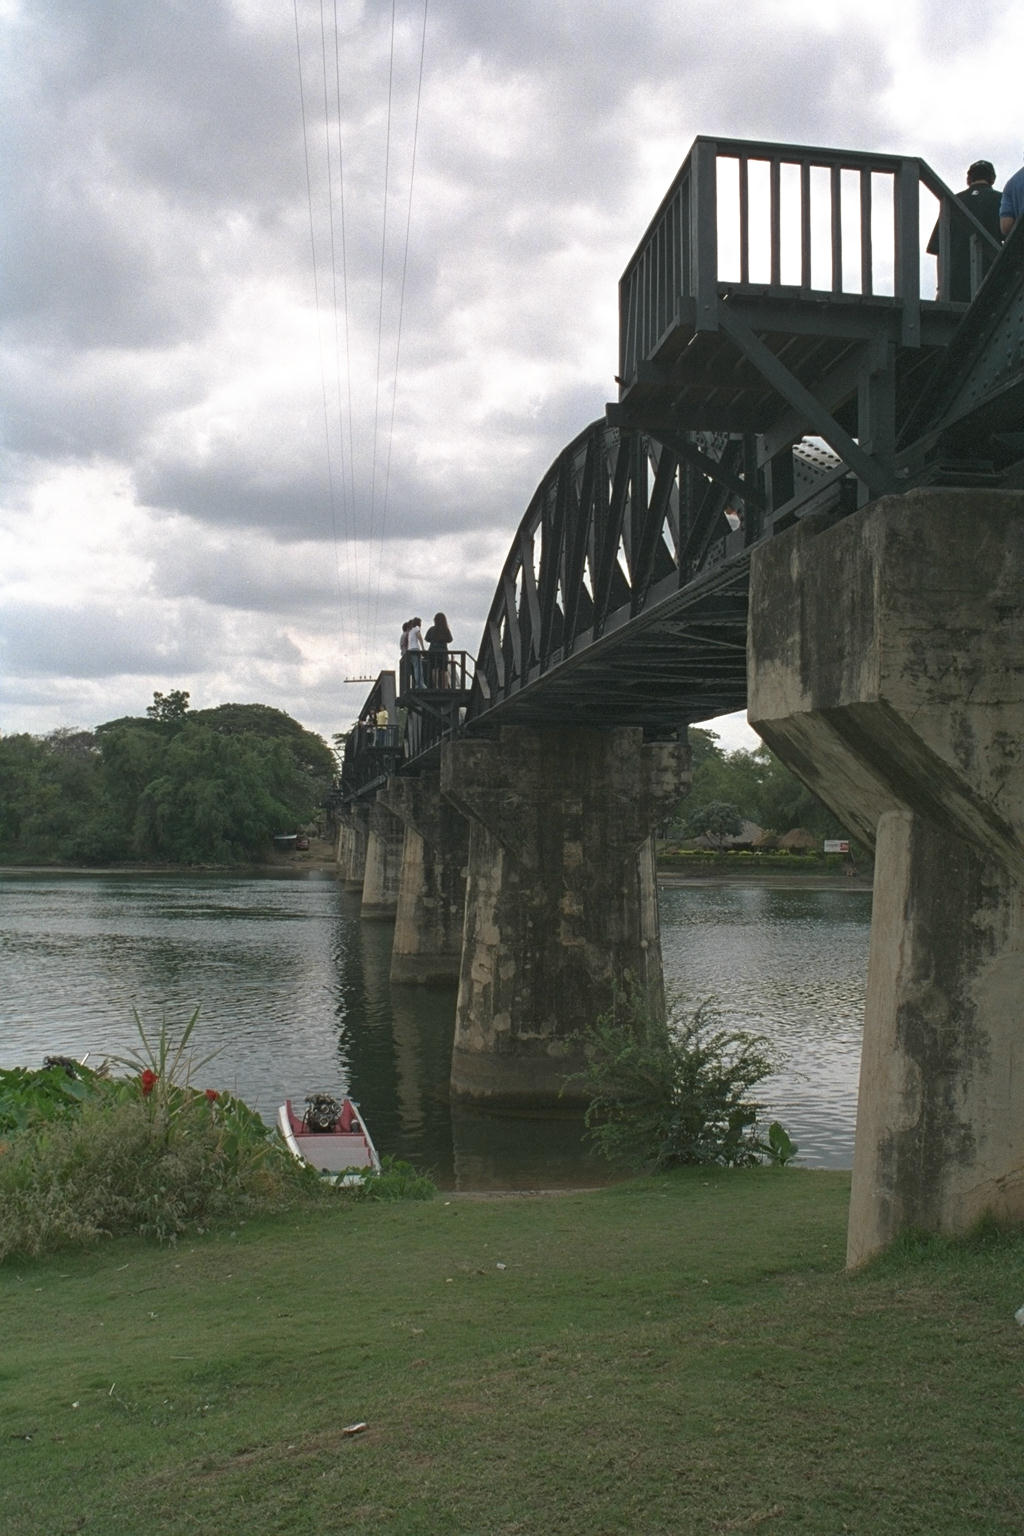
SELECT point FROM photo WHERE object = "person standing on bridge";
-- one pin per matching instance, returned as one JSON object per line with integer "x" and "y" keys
{"x": 1012, "y": 205}
{"x": 982, "y": 199}
{"x": 439, "y": 637}
{"x": 415, "y": 644}
{"x": 403, "y": 651}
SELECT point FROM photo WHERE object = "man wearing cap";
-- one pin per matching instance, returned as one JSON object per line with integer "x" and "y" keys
{"x": 1012, "y": 205}
{"x": 981, "y": 197}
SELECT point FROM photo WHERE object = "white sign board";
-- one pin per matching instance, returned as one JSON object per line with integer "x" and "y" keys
{"x": 836, "y": 845}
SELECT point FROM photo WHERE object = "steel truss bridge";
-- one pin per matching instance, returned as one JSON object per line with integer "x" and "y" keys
{"x": 778, "y": 358}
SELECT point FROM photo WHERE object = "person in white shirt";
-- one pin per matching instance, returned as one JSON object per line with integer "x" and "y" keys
{"x": 415, "y": 647}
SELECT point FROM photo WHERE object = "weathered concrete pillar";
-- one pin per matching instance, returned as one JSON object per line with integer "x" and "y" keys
{"x": 432, "y": 888}
{"x": 385, "y": 837}
{"x": 351, "y": 855}
{"x": 886, "y": 665}
{"x": 558, "y": 897}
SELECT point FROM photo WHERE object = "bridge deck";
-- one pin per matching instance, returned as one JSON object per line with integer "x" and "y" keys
{"x": 703, "y": 380}
{"x": 775, "y": 304}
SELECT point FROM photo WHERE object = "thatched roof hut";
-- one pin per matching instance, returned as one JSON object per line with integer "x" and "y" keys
{"x": 798, "y": 840}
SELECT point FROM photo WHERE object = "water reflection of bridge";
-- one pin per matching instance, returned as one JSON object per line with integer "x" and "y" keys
{"x": 781, "y": 369}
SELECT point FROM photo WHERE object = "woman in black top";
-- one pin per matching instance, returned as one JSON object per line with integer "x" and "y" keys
{"x": 438, "y": 638}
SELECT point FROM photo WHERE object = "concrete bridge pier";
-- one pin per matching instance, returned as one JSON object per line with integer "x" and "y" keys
{"x": 886, "y": 663}
{"x": 432, "y": 887}
{"x": 384, "y": 842}
{"x": 351, "y": 851}
{"x": 561, "y": 899}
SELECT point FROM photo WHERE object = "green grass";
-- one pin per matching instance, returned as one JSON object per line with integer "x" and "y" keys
{"x": 677, "y": 1355}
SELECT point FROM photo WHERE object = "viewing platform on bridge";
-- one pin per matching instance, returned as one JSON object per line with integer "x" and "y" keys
{"x": 788, "y": 346}
{"x": 784, "y": 291}
{"x": 428, "y": 705}
{"x": 433, "y": 697}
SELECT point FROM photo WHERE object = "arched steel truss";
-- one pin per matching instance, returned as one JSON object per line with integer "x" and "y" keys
{"x": 623, "y": 600}
{"x": 624, "y": 591}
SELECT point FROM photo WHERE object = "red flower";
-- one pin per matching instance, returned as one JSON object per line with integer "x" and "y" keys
{"x": 148, "y": 1081}
{"x": 212, "y": 1095}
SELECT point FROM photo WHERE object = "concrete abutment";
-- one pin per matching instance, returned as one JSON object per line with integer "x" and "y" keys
{"x": 351, "y": 852}
{"x": 432, "y": 888}
{"x": 561, "y": 900}
{"x": 383, "y": 864}
{"x": 886, "y": 667}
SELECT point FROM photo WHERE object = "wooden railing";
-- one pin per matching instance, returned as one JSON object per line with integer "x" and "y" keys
{"x": 796, "y": 221}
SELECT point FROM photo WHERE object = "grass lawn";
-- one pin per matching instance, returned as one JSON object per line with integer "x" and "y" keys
{"x": 681, "y": 1354}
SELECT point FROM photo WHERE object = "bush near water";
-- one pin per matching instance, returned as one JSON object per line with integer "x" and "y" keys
{"x": 87, "y": 1155}
{"x": 668, "y": 1092}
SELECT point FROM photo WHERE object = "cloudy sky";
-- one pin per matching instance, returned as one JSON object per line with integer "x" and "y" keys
{"x": 300, "y": 300}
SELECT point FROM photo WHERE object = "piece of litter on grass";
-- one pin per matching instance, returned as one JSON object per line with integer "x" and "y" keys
{"x": 499, "y": 1266}
{"x": 355, "y": 1429}
{"x": 1019, "y": 1315}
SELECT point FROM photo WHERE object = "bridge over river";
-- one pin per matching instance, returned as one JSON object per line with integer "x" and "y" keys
{"x": 806, "y": 501}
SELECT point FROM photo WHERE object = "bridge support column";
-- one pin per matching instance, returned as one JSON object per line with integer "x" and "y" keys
{"x": 432, "y": 887}
{"x": 886, "y": 668}
{"x": 351, "y": 853}
{"x": 384, "y": 840}
{"x": 560, "y": 898}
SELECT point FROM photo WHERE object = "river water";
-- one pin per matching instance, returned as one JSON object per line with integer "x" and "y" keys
{"x": 294, "y": 996}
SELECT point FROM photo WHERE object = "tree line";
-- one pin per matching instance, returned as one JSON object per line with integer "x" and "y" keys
{"x": 729, "y": 788}
{"x": 213, "y": 786}
{"x": 177, "y": 785}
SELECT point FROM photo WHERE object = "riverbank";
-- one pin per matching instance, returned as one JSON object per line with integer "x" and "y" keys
{"x": 323, "y": 861}
{"x": 319, "y": 856}
{"x": 811, "y": 880}
{"x": 679, "y": 1356}
{"x": 782, "y": 873}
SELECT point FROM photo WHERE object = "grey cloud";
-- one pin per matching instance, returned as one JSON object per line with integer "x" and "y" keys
{"x": 301, "y": 581}
{"x": 154, "y": 186}
{"x": 132, "y": 136}
{"x": 65, "y": 405}
{"x": 94, "y": 642}
{"x": 234, "y": 496}
{"x": 232, "y": 491}
{"x": 946, "y": 29}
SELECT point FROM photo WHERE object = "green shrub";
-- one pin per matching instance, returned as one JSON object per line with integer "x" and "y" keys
{"x": 84, "y": 1155}
{"x": 30, "y": 1098}
{"x": 126, "y": 1165}
{"x": 397, "y": 1180}
{"x": 671, "y": 1093}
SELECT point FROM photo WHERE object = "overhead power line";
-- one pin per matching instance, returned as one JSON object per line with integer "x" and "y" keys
{"x": 358, "y": 466}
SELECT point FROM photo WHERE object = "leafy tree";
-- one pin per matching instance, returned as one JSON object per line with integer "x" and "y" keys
{"x": 209, "y": 786}
{"x": 784, "y": 801}
{"x": 758, "y": 786}
{"x": 51, "y": 789}
{"x": 23, "y": 773}
{"x": 170, "y": 708}
{"x": 218, "y": 798}
{"x": 704, "y": 747}
{"x": 309, "y": 751}
{"x": 716, "y": 821}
